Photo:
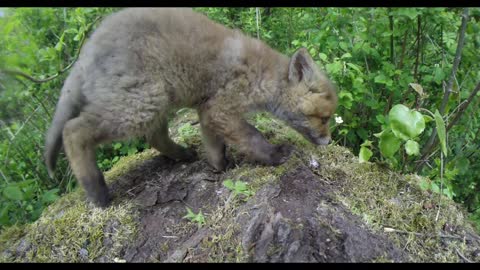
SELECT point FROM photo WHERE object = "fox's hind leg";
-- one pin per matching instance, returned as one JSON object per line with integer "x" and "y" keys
{"x": 159, "y": 139}
{"x": 80, "y": 136}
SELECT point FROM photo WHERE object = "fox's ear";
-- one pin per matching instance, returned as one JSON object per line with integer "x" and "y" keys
{"x": 301, "y": 66}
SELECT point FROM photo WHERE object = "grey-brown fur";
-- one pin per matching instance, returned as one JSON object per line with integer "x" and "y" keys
{"x": 141, "y": 64}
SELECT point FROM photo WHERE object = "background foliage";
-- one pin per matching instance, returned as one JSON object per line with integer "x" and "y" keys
{"x": 391, "y": 65}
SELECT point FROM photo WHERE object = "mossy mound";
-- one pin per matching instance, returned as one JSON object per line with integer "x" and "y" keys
{"x": 321, "y": 205}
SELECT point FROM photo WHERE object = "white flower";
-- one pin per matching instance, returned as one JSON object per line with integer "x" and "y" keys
{"x": 338, "y": 119}
{"x": 314, "y": 163}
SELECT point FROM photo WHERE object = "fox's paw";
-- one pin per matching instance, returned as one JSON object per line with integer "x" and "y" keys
{"x": 281, "y": 154}
{"x": 100, "y": 197}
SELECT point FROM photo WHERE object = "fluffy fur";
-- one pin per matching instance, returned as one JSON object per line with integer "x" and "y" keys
{"x": 142, "y": 64}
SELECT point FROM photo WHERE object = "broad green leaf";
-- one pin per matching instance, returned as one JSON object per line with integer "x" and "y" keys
{"x": 412, "y": 148}
{"x": 381, "y": 79}
{"x": 405, "y": 123}
{"x": 365, "y": 154}
{"x": 323, "y": 56}
{"x": 50, "y": 196}
{"x": 389, "y": 143}
{"x": 442, "y": 134}
{"x": 418, "y": 88}
{"x": 13, "y": 193}
{"x": 346, "y": 94}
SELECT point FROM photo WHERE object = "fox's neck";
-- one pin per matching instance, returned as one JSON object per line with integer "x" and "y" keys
{"x": 279, "y": 99}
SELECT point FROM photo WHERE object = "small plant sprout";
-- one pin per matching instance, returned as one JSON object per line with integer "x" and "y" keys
{"x": 196, "y": 218}
{"x": 238, "y": 187}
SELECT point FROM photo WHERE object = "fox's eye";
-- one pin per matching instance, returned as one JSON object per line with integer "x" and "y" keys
{"x": 324, "y": 120}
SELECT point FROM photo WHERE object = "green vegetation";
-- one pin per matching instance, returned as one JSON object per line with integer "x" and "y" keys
{"x": 407, "y": 83}
{"x": 199, "y": 218}
{"x": 238, "y": 188}
{"x": 388, "y": 202}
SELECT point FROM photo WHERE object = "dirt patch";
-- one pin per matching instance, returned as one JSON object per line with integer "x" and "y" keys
{"x": 296, "y": 219}
{"x": 320, "y": 206}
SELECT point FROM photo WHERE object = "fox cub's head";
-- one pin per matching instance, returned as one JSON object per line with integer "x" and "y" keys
{"x": 311, "y": 99}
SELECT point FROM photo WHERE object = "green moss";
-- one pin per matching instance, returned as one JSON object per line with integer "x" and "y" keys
{"x": 72, "y": 230}
{"x": 127, "y": 163}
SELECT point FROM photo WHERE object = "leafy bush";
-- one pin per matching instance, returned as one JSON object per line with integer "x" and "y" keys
{"x": 392, "y": 67}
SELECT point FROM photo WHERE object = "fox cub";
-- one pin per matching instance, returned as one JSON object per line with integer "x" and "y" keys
{"x": 140, "y": 64}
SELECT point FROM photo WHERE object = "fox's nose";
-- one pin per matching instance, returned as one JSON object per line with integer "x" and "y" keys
{"x": 324, "y": 140}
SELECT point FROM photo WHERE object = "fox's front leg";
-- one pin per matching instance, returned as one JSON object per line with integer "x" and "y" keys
{"x": 236, "y": 131}
{"x": 214, "y": 145}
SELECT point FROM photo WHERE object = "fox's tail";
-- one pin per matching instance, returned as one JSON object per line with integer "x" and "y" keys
{"x": 67, "y": 108}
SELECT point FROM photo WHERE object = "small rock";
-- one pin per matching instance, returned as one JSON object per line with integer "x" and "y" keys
{"x": 83, "y": 253}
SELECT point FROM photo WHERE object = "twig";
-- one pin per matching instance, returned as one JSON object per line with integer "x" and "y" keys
{"x": 463, "y": 106}
{"x": 458, "y": 54}
{"x": 463, "y": 257}
{"x": 389, "y": 230}
{"x": 419, "y": 29}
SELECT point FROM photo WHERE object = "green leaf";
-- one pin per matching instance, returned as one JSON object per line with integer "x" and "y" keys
{"x": 323, "y": 56}
{"x": 424, "y": 184}
{"x": 13, "y": 193}
{"x": 411, "y": 13}
{"x": 435, "y": 188}
{"x": 240, "y": 186}
{"x": 132, "y": 150}
{"x": 4, "y": 219}
{"x": 367, "y": 143}
{"x": 355, "y": 67}
{"x": 365, "y": 154}
{"x": 412, "y": 148}
{"x": 50, "y": 196}
{"x": 462, "y": 164}
{"x": 229, "y": 184}
{"x": 427, "y": 118}
{"x": 418, "y": 88}
{"x": 59, "y": 45}
{"x": 438, "y": 75}
{"x": 389, "y": 143}
{"x": 442, "y": 134}
{"x": 381, "y": 79}
{"x": 405, "y": 123}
